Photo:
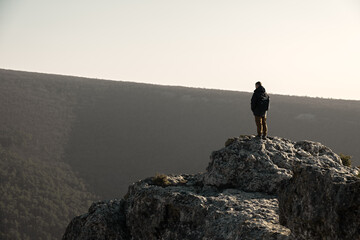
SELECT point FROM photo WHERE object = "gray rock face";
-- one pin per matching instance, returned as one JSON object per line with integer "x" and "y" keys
{"x": 105, "y": 220}
{"x": 196, "y": 212}
{"x": 259, "y": 165}
{"x": 237, "y": 198}
{"x": 321, "y": 204}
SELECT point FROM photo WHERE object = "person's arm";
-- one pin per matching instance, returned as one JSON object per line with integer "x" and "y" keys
{"x": 253, "y": 102}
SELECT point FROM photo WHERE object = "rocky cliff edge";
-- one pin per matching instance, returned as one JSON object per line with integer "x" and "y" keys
{"x": 252, "y": 189}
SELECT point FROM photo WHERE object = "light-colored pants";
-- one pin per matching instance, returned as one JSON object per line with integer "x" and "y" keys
{"x": 261, "y": 125}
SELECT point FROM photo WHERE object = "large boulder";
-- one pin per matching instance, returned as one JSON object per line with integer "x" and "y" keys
{"x": 321, "y": 204}
{"x": 192, "y": 211}
{"x": 257, "y": 165}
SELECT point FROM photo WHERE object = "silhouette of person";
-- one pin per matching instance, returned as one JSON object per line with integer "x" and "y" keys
{"x": 259, "y": 106}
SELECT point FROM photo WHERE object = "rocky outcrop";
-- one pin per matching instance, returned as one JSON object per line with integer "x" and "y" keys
{"x": 237, "y": 198}
{"x": 256, "y": 165}
{"x": 321, "y": 204}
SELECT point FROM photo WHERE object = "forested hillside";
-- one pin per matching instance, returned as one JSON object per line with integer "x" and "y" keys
{"x": 39, "y": 191}
{"x": 67, "y": 136}
{"x": 38, "y": 198}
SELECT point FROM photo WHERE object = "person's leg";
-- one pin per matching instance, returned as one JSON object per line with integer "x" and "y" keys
{"x": 264, "y": 126}
{"x": 258, "y": 121}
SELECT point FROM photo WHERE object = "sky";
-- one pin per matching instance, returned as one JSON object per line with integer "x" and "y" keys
{"x": 294, "y": 47}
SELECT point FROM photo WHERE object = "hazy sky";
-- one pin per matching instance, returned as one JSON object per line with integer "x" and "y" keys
{"x": 295, "y": 47}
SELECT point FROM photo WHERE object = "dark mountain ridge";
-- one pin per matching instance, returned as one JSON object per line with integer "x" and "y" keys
{"x": 109, "y": 134}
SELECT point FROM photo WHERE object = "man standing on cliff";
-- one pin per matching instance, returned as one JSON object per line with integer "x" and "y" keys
{"x": 259, "y": 105}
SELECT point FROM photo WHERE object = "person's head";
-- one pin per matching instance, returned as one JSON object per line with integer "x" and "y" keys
{"x": 258, "y": 84}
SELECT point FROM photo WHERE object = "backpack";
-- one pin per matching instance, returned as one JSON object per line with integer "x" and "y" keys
{"x": 265, "y": 101}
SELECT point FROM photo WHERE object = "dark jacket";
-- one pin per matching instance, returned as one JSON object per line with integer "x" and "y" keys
{"x": 260, "y": 102}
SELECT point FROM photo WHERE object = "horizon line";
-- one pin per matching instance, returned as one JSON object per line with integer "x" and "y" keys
{"x": 179, "y": 86}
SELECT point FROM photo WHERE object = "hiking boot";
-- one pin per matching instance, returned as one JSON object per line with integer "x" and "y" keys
{"x": 264, "y": 137}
